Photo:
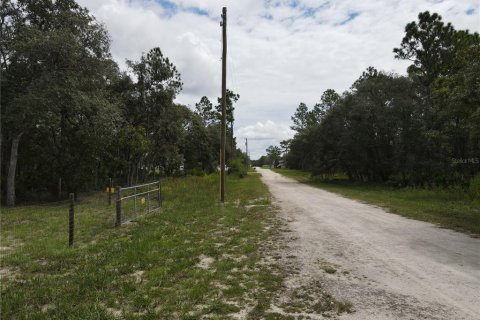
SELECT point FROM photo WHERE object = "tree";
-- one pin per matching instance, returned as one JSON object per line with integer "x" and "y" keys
{"x": 285, "y": 146}
{"x": 200, "y": 145}
{"x": 432, "y": 46}
{"x": 56, "y": 65}
{"x": 315, "y": 116}
{"x": 457, "y": 102}
{"x": 368, "y": 133}
{"x": 438, "y": 54}
{"x": 70, "y": 119}
{"x": 274, "y": 155}
{"x": 300, "y": 118}
{"x": 231, "y": 99}
{"x": 157, "y": 86}
{"x": 205, "y": 110}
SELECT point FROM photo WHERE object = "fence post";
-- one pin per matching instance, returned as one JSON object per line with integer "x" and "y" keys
{"x": 135, "y": 200}
{"x": 118, "y": 218}
{"x": 148, "y": 199}
{"x": 159, "y": 195}
{"x": 110, "y": 186}
{"x": 71, "y": 220}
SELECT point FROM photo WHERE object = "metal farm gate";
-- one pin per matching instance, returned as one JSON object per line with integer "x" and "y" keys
{"x": 137, "y": 200}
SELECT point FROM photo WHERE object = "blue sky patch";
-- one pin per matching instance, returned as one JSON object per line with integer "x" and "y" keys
{"x": 267, "y": 16}
{"x": 470, "y": 11}
{"x": 351, "y": 16}
{"x": 197, "y": 11}
{"x": 309, "y": 12}
{"x": 294, "y": 3}
{"x": 271, "y": 4}
{"x": 170, "y": 7}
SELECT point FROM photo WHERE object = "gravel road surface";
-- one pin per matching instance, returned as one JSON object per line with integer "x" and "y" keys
{"x": 387, "y": 266}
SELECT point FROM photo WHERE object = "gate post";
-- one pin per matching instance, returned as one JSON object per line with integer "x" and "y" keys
{"x": 159, "y": 193}
{"x": 135, "y": 201}
{"x": 110, "y": 191}
{"x": 71, "y": 220}
{"x": 118, "y": 217}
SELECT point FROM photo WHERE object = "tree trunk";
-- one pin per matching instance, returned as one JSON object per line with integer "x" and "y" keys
{"x": 11, "y": 170}
{"x": 59, "y": 188}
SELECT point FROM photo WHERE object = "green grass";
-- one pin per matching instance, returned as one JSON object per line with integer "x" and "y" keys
{"x": 191, "y": 259}
{"x": 449, "y": 208}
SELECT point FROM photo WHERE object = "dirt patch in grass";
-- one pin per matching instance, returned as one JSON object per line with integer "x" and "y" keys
{"x": 8, "y": 273}
{"x": 47, "y": 307}
{"x": 137, "y": 275}
{"x": 205, "y": 262}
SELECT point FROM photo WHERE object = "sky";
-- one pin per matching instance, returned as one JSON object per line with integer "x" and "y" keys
{"x": 280, "y": 52}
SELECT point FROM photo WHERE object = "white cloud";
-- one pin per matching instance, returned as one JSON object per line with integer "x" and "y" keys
{"x": 268, "y": 130}
{"x": 263, "y": 134}
{"x": 279, "y": 54}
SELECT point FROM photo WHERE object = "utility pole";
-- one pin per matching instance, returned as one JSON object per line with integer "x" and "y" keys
{"x": 246, "y": 149}
{"x": 224, "y": 105}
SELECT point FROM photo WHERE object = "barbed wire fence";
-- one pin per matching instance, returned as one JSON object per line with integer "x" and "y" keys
{"x": 83, "y": 217}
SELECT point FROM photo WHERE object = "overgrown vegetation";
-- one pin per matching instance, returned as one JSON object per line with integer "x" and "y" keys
{"x": 417, "y": 130}
{"x": 450, "y": 208}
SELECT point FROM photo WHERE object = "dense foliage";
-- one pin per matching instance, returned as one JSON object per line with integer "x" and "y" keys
{"x": 71, "y": 119}
{"x": 419, "y": 129}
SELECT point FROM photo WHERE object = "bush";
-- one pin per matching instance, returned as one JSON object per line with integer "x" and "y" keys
{"x": 195, "y": 172}
{"x": 475, "y": 187}
{"x": 238, "y": 167}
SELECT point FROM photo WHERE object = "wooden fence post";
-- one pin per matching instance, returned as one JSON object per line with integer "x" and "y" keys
{"x": 118, "y": 218}
{"x": 135, "y": 200}
{"x": 159, "y": 193}
{"x": 110, "y": 186}
{"x": 148, "y": 199}
{"x": 71, "y": 220}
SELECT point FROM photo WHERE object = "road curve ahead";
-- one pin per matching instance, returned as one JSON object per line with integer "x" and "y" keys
{"x": 388, "y": 266}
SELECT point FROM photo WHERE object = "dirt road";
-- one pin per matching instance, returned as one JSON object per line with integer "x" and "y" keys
{"x": 387, "y": 266}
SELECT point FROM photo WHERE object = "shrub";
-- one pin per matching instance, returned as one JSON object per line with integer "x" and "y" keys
{"x": 475, "y": 187}
{"x": 238, "y": 167}
{"x": 195, "y": 172}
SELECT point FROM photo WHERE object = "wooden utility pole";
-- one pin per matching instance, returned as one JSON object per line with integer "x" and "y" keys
{"x": 246, "y": 150}
{"x": 224, "y": 105}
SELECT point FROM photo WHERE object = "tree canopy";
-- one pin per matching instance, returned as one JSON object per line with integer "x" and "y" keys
{"x": 420, "y": 129}
{"x": 71, "y": 119}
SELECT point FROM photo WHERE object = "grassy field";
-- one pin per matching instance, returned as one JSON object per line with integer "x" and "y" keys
{"x": 192, "y": 259}
{"x": 452, "y": 209}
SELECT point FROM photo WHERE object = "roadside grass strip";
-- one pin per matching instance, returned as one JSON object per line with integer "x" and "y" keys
{"x": 193, "y": 259}
{"x": 190, "y": 259}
